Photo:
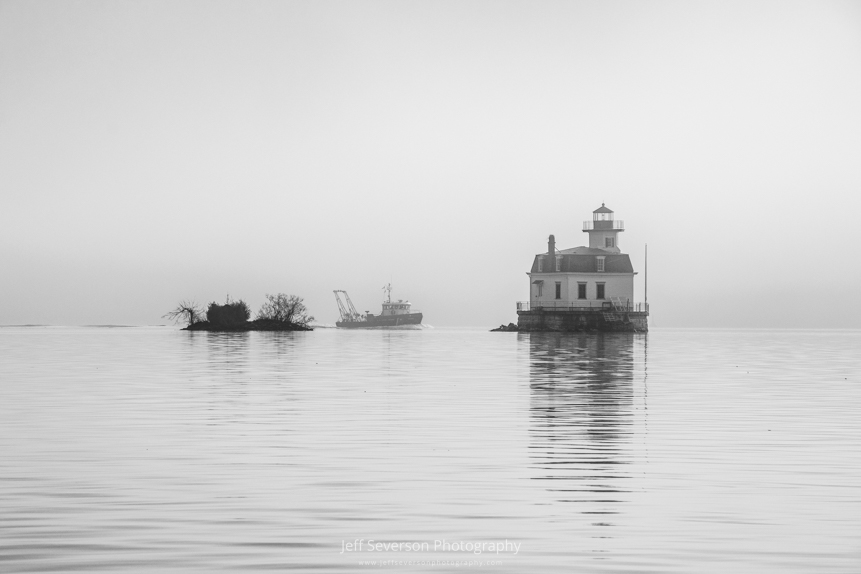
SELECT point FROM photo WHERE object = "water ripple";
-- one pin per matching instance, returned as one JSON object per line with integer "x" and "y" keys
{"x": 149, "y": 449}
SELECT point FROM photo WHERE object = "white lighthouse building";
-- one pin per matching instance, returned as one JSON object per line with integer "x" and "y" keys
{"x": 584, "y": 287}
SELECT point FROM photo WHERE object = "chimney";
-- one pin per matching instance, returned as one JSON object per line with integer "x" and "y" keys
{"x": 551, "y": 247}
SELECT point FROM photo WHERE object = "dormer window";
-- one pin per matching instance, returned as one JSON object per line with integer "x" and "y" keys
{"x": 558, "y": 263}
{"x": 600, "y": 264}
{"x": 540, "y": 264}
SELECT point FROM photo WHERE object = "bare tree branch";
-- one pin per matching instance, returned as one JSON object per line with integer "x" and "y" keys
{"x": 188, "y": 312}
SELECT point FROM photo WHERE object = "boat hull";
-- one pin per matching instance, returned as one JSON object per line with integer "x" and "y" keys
{"x": 383, "y": 321}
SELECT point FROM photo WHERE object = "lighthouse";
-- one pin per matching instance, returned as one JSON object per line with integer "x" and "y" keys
{"x": 586, "y": 288}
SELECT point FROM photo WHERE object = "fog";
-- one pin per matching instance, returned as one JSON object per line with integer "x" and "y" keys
{"x": 158, "y": 151}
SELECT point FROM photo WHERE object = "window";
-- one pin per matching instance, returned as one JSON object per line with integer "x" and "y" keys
{"x": 558, "y": 264}
{"x": 541, "y": 289}
{"x": 600, "y": 265}
{"x": 540, "y": 264}
{"x": 581, "y": 290}
{"x": 609, "y": 242}
{"x": 559, "y": 289}
{"x": 599, "y": 293}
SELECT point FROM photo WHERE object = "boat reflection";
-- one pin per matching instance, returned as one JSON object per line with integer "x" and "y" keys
{"x": 582, "y": 416}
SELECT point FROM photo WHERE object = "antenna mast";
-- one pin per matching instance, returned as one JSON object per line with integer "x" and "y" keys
{"x": 647, "y": 278}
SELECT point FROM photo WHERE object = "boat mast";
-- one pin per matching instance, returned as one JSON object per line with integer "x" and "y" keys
{"x": 387, "y": 289}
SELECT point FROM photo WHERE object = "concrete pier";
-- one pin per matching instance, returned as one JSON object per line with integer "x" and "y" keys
{"x": 582, "y": 320}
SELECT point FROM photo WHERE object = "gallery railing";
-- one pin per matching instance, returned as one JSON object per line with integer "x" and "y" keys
{"x": 617, "y": 225}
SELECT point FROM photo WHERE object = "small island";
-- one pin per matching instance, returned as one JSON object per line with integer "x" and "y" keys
{"x": 280, "y": 312}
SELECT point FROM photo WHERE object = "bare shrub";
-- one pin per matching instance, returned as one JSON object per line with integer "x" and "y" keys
{"x": 285, "y": 308}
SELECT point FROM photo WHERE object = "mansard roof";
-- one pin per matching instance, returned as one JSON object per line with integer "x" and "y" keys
{"x": 575, "y": 261}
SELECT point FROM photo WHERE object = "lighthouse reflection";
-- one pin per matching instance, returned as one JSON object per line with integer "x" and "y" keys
{"x": 582, "y": 416}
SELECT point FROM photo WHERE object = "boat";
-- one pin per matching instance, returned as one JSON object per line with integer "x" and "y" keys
{"x": 394, "y": 313}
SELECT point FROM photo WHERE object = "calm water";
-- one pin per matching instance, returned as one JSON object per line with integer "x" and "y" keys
{"x": 150, "y": 449}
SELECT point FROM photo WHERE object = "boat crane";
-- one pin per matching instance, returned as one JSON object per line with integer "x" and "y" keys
{"x": 348, "y": 311}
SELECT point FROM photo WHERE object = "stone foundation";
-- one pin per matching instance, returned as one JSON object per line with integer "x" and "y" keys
{"x": 585, "y": 320}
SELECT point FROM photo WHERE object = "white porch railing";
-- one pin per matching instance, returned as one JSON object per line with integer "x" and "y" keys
{"x": 595, "y": 305}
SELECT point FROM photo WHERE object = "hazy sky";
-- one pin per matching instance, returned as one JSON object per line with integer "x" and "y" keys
{"x": 155, "y": 151}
